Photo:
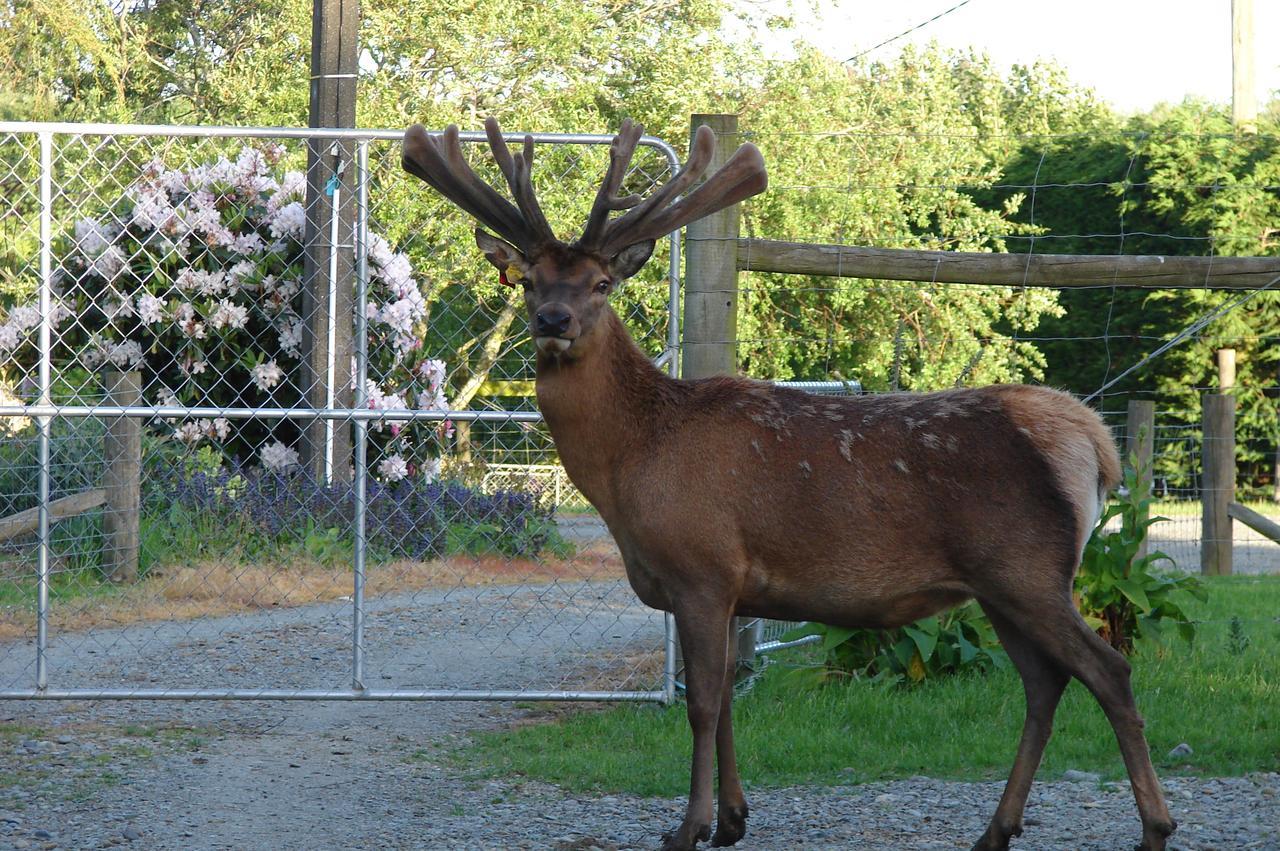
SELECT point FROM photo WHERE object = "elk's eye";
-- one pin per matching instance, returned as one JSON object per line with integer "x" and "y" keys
{"x": 602, "y": 287}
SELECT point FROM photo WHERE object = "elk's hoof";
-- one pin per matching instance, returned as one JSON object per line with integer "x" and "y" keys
{"x": 731, "y": 825}
{"x": 1154, "y": 836}
{"x": 685, "y": 838}
{"x": 996, "y": 839}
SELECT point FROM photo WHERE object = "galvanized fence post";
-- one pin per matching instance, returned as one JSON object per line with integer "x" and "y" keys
{"x": 361, "y": 426}
{"x": 44, "y": 422}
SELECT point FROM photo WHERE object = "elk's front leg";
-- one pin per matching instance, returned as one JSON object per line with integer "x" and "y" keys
{"x": 731, "y": 808}
{"x": 703, "y": 633}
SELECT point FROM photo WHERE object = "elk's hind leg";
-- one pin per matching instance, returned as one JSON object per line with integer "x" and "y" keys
{"x": 1051, "y": 622}
{"x": 1043, "y": 681}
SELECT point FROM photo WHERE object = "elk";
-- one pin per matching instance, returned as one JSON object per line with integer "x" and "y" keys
{"x": 728, "y": 496}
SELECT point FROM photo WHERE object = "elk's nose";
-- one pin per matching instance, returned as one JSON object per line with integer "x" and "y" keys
{"x": 552, "y": 321}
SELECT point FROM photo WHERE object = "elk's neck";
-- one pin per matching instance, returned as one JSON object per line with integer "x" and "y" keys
{"x": 603, "y": 409}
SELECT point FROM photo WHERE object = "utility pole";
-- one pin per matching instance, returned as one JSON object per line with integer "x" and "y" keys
{"x": 329, "y": 239}
{"x": 1244, "y": 89}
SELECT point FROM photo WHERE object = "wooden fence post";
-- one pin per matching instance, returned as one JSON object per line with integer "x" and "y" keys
{"x": 1139, "y": 443}
{"x": 710, "y": 325}
{"x": 1217, "y": 483}
{"x": 122, "y": 478}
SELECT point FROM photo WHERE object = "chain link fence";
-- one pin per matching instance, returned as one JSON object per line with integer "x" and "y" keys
{"x": 228, "y": 407}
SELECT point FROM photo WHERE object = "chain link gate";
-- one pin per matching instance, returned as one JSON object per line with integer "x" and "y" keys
{"x": 172, "y": 497}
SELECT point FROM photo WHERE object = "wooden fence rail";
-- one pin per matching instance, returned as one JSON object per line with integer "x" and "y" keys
{"x": 1030, "y": 270}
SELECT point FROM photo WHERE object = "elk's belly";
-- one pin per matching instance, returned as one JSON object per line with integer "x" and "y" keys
{"x": 881, "y": 611}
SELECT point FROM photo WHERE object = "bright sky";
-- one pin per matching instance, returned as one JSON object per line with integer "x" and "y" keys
{"x": 1134, "y": 53}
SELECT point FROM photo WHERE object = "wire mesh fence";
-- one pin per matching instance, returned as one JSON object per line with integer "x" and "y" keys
{"x": 204, "y": 429}
{"x": 159, "y": 331}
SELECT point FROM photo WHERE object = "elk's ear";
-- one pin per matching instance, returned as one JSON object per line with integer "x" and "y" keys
{"x": 510, "y": 263}
{"x": 629, "y": 260}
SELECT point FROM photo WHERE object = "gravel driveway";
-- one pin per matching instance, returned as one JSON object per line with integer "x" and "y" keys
{"x": 258, "y": 775}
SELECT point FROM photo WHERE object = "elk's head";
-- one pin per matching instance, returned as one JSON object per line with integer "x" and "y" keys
{"x": 566, "y": 285}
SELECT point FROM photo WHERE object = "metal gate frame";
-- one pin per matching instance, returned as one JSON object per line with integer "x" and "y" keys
{"x": 44, "y": 412}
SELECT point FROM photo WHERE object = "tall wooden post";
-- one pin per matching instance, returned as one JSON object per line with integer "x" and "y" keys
{"x": 329, "y": 238}
{"x": 710, "y": 325}
{"x": 1226, "y": 369}
{"x": 1139, "y": 442}
{"x": 1244, "y": 91}
{"x": 1217, "y": 483}
{"x": 122, "y": 478}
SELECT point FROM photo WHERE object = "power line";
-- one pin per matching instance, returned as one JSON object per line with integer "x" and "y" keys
{"x": 910, "y": 31}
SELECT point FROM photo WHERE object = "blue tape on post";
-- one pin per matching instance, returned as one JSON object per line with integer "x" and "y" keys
{"x": 332, "y": 186}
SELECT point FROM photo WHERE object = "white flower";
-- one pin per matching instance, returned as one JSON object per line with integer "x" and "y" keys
{"x": 116, "y": 306}
{"x": 205, "y": 283}
{"x": 228, "y": 315}
{"x": 151, "y": 309}
{"x": 432, "y": 370}
{"x": 189, "y": 433}
{"x": 377, "y": 400}
{"x": 267, "y": 375}
{"x": 289, "y": 220}
{"x": 188, "y": 319}
{"x": 431, "y": 470}
{"x": 8, "y": 337}
{"x": 125, "y": 355}
{"x": 290, "y": 336}
{"x": 248, "y": 243}
{"x": 218, "y": 428}
{"x": 393, "y": 468}
{"x": 152, "y": 210}
{"x": 380, "y": 253}
{"x": 109, "y": 263}
{"x": 25, "y": 318}
{"x": 292, "y": 188}
{"x": 398, "y": 274}
{"x": 278, "y": 457}
{"x": 91, "y": 237}
{"x": 241, "y": 272}
{"x": 432, "y": 400}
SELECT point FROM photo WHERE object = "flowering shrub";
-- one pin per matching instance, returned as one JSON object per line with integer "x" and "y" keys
{"x": 195, "y": 278}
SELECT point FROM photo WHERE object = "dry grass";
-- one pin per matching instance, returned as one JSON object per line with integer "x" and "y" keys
{"x": 222, "y": 587}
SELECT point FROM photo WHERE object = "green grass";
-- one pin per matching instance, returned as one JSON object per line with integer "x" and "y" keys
{"x": 1191, "y": 507}
{"x": 1222, "y": 704}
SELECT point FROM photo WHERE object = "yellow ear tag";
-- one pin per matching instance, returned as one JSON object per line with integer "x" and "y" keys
{"x": 513, "y": 273}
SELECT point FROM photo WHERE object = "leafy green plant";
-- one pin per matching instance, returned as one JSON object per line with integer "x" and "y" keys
{"x": 961, "y": 639}
{"x": 1237, "y": 639}
{"x": 1121, "y": 594}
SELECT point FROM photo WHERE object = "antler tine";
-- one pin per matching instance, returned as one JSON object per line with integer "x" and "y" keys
{"x": 741, "y": 177}
{"x": 518, "y": 170}
{"x": 621, "y": 150}
{"x": 439, "y": 162}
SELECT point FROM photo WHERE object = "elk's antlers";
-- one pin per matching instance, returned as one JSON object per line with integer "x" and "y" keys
{"x": 438, "y": 160}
